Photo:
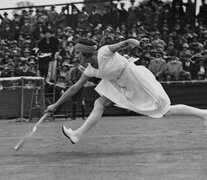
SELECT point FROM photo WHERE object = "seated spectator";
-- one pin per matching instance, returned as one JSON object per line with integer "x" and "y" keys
{"x": 200, "y": 65}
{"x": 201, "y": 76}
{"x": 27, "y": 28}
{"x": 173, "y": 69}
{"x": 185, "y": 48}
{"x": 65, "y": 72}
{"x": 143, "y": 61}
{"x": 70, "y": 48}
{"x": 157, "y": 65}
{"x": 157, "y": 40}
{"x": 32, "y": 70}
{"x": 188, "y": 65}
{"x": 6, "y": 31}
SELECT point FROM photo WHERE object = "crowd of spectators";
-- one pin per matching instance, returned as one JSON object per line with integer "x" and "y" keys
{"x": 173, "y": 40}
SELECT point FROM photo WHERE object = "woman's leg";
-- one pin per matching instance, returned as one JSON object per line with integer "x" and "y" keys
{"x": 182, "y": 109}
{"x": 95, "y": 115}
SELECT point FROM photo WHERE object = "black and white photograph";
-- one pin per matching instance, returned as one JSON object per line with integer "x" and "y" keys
{"x": 103, "y": 90}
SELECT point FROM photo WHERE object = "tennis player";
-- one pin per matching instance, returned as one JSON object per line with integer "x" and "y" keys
{"x": 123, "y": 83}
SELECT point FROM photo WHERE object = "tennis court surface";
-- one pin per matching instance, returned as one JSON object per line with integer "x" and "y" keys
{"x": 117, "y": 148}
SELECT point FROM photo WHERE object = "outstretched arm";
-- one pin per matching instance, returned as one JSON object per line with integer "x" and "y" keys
{"x": 123, "y": 44}
{"x": 69, "y": 93}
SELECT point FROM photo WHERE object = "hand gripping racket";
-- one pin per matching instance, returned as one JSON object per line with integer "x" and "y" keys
{"x": 30, "y": 132}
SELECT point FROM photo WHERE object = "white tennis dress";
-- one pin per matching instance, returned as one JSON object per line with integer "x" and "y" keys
{"x": 127, "y": 85}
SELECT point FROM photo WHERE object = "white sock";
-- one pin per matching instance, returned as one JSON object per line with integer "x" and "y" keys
{"x": 93, "y": 118}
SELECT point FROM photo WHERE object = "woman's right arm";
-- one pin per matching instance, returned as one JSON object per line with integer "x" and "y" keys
{"x": 123, "y": 44}
{"x": 68, "y": 94}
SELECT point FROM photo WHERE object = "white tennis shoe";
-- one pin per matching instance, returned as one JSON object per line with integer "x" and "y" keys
{"x": 69, "y": 134}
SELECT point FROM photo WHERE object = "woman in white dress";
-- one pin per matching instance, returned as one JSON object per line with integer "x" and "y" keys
{"x": 123, "y": 84}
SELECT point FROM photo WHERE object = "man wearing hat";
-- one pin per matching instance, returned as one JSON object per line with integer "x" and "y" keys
{"x": 76, "y": 73}
{"x": 188, "y": 65}
{"x": 123, "y": 14}
{"x": 157, "y": 65}
{"x": 200, "y": 65}
{"x": 48, "y": 46}
{"x": 173, "y": 69}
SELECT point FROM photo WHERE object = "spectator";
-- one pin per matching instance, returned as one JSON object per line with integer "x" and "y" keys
{"x": 48, "y": 46}
{"x": 31, "y": 18}
{"x": 123, "y": 14}
{"x": 173, "y": 69}
{"x": 157, "y": 41}
{"x": 6, "y": 31}
{"x": 83, "y": 19}
{"x": 143, "y": 61}
{"x": 52, "y": 15}
{"x": 65, "y": 73}
{"x": 132, "y": 14}
{"x": 94, "y": 17}
{"x": 200, "y": 65}
{"x": 38, "y": 30}
{"x": 73, "y": 18}
{"x": 76, "y": 73}
{"x": 157, "y": 65}
{"x": 188, "y": 65}
{"x": 202, "y": 13}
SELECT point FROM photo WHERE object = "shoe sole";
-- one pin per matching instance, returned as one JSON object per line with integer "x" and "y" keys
{"x": 67, "y": 135}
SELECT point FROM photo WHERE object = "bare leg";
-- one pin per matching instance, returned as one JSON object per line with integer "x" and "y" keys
{"x": 93, "y": 118}
{"x": 188, "y": 111}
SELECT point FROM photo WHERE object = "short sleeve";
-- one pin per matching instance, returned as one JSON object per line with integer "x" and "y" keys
{"x": 90, "y": 71}
{"x": 104, "y": 53}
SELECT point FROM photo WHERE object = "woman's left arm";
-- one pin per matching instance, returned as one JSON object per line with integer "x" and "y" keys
{"x": 123, "y": 44}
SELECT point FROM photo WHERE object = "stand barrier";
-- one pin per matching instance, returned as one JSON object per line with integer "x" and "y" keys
{"x": 17, "y": 92}
{"x": 193, "y": 93}
{"x": 18, "y": 95}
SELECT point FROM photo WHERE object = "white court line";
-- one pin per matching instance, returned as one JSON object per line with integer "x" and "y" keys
{"x": 116, "y": 135}
{"x": 107, "y": 164}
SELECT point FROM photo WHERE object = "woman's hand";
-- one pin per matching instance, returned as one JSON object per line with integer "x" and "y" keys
{"x": 51, "y": 108}
{"x": 133, "y": 42}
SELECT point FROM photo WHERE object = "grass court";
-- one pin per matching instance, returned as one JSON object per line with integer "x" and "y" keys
{"x": 117, "y": 148}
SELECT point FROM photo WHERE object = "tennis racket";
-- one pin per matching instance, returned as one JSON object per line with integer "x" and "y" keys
{"x": 29, "y": 134}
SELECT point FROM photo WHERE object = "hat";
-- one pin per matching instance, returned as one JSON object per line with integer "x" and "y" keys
{"x": 11, "y": 63}
{"x": 26, "y": 51}
{"x": 188, "y": 54}
{"x": 52, "y": 7}
{"x": 148, "y": 45}
{"x": 198, "y": 57}
{"x": 185, "y": 45}
{"x": 48, "y": 30}
{"x": 5, "y": 13}
{"x": 3, "y": 42}
{"x": 32, "y": 57}
{"x": 145, "y": 58}
{"x": 68, "y": 28}
{"x": 22, "y": 59}
{"x": 200, "y": 73}
{"x": 171, "y": 43}
{"x": 31, "y": 62}
{"x": 71, "y": 41}
{"x": 66, "y": 64}
{"x": 159, "y": 50}
{"x": 27, "y": 42}
{"x": 121, "y": 37}
{"x": 15, "y": 14}
{"x": 156, "y": 33}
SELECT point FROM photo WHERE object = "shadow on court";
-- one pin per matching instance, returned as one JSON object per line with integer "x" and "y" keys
{"x": 117, "y": 148}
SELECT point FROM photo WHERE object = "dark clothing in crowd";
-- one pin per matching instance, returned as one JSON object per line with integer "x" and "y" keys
{"x": 47, "y": 46}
